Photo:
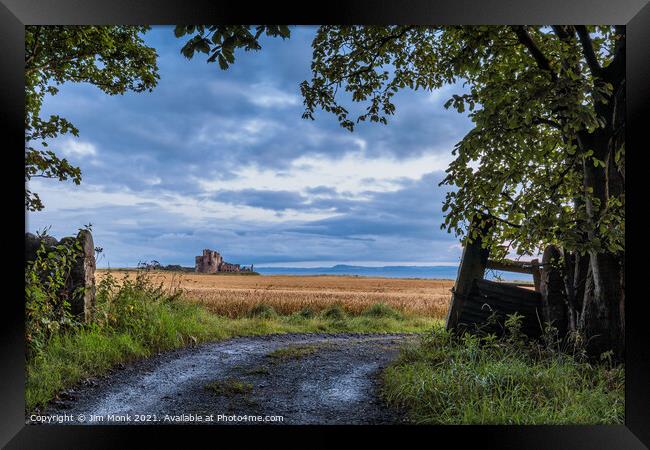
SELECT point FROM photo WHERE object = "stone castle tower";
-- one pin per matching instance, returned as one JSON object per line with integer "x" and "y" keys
{"x": 209, "y": 262}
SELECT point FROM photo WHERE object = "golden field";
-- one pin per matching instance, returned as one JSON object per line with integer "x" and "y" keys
{"x": 235, "y": 295}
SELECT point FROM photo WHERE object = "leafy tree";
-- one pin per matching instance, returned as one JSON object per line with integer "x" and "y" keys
{"x": 219, "y": 42}
{"x": 545, "y": 161}
{"x": 113, "y": 58}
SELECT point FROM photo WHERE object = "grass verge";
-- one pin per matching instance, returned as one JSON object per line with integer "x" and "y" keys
{"x": 445, "y": 379}
{"x": 136, "y": 319}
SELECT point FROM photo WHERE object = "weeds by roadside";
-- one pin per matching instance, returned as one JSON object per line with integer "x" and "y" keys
{"x": 446, "y": 379}
{"x": 49, "y": 294}
{"x": 136, "y": 317}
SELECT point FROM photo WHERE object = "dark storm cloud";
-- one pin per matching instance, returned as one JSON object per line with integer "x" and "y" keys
{"x": 414, "y": 211}
{"x": 274, "y": 200}
{"x": 285, "y": 200}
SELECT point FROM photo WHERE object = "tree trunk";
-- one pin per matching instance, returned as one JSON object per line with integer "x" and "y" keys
{"x": 601, "y": 318}
{"x": 580, "y": 278}
{"x": 599, "y": 300}
{"x": 569, "y": 274}
{"x": 601, "y": 321}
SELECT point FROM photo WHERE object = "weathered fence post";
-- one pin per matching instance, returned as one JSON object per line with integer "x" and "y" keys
{"x": 552, "y": 290}
{"x": 537, "y": 276}
{"x": 472, "y": 265}
{"x": 83, "y": 274}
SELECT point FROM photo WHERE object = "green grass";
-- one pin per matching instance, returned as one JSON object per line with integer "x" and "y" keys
{"x": 444, "y": 379}
{"x": 138, "y": 319}
{"x": 381, "y": 310}
{"x": 229, "y": 387}
{"x": 293, "y": 352}
{"x": 258, "y": 370}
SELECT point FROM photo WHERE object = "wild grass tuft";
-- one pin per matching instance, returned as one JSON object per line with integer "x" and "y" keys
{"x": 382, "y": 310}
{"x": 445, "y": 379}
{"x": 136, "y": 318}
{"x": 334, "y": 312}
{"x": 229, "y": 387}
{"x": 293, "y": 352}
{"x": 263, "y": 311}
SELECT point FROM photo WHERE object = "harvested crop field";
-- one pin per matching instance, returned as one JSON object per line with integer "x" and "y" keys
{"x": 235, "y": 296}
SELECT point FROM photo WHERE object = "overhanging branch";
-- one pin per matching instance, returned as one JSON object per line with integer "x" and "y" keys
{"x": 588, "y": 51}
{"x": 540, "y": 58}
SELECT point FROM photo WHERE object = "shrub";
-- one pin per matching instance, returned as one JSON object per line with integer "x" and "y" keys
{"x": 334, "y": 312}
{"x": 262, "y": 311}
{"x": 133, "y": 318}
{"x": 307, "y": 313}
{"x": 48, "y": 293}
{"x": 379, "y": 310}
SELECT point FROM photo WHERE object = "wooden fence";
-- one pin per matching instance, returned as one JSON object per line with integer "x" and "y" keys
{"x": 475, "y": 300}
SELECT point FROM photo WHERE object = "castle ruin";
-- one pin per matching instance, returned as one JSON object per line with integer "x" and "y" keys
{"x": 212, "y": 262}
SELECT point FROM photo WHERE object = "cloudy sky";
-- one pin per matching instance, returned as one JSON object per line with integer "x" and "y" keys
{"x": 223, "y": 160}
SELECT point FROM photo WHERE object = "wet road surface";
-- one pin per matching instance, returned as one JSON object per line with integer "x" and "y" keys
{"x": 313, "y": 379}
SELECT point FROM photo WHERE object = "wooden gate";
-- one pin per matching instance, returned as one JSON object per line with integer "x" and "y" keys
{"x": 491, "y": 300}
{"x": 474, "y": 300}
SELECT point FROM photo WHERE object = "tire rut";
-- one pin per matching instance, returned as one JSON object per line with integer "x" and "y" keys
{"x": 321, "y": 379}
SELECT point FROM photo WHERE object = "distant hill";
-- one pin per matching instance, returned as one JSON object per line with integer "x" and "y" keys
{"x": 430, "y": 272}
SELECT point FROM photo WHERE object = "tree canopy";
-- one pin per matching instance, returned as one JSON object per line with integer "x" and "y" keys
{"x": 113, "y": 58}
{"x": 531, "y": 92}
{"x": 219, "y": 42}
{"x": 545, "y": 161}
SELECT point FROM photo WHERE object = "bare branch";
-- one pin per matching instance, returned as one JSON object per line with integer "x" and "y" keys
{"x": 489, "y": 215}
{"x": 541, "y": 59}
{"x": 616, "y": 69}
{"x": 561, "y": 32}
{"x": 588, "y": 51}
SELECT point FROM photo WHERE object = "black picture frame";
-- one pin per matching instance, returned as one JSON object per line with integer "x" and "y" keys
{"x": 635, "y": 14}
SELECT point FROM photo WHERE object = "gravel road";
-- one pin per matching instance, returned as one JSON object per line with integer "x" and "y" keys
{"x": 304, "y": 378}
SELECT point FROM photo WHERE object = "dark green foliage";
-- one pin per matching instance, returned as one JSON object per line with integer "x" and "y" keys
{"x": 48, "y": 293}
{"x": 219, "y": 42}
{"x": 140, "y": 308}
{"x": 379, "y": 310}
{"x": 522, "y": 162}
{"x": 177, "y": 268}
{"x": 306, "y": 313}
{"x": 113, "y": 58}
{"x": 262, "y": 311}
{"x": 334, "y": 312}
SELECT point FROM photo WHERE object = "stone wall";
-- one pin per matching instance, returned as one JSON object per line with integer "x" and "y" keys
{"x": 228, "y": 267}
{"x": 82, "y": 273}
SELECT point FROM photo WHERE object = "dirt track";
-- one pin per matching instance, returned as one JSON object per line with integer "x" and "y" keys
{"x": 322, "y": 379}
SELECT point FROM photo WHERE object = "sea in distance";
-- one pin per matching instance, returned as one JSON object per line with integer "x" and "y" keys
{"x": 431, "y": 272}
